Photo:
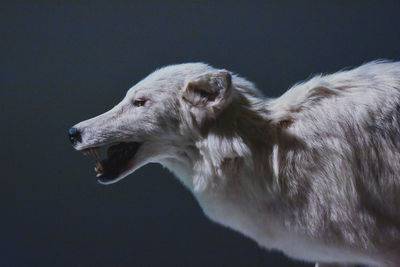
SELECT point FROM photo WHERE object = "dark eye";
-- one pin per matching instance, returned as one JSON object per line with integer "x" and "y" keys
{"x": 204, "y": 94}
{"x": 139, "y": 102}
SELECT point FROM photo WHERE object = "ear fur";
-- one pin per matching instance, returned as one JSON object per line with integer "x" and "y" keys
{"x": 210, "y": 91}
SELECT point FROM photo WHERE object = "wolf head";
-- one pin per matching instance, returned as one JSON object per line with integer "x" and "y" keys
{"x": 158, "y": 119}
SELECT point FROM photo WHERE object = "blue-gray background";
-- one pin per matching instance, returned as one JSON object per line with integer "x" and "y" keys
{"x": 62, "y": 62}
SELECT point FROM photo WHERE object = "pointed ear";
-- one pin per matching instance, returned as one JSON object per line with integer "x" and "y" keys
{"x": 211, "y": 91}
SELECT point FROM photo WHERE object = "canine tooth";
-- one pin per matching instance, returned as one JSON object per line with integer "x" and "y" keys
{"x": 92, "y": 152}
{"x": 99, "y": 167}
{"x": 96, "y": 152}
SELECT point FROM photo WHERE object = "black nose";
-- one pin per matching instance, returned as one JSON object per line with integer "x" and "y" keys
{"x": 74, "y": 135}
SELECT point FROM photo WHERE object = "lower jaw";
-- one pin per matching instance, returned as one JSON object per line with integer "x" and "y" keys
{"x": 122, "y": 174}
{"x": 108, "y": 181}
{"x": 119, "y": 161}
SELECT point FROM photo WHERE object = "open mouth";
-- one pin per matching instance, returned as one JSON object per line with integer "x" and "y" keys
{"x": 119, "y": 159}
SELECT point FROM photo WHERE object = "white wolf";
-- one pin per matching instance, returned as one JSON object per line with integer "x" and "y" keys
{"x": 313, "y": 173}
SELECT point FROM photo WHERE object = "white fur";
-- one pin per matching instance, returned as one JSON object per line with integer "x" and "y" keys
{"x": 313, "y": 173}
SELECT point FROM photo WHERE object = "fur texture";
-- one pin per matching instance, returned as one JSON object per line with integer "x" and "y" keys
{"x": 313, "y": 173}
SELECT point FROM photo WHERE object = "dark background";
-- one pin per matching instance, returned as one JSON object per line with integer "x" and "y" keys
{"x": 63, "y": 62}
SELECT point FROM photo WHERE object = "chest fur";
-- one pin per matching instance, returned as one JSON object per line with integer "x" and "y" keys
{"x": 271, "y": 232}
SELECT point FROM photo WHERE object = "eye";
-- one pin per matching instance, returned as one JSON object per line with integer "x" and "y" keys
{"x": 204, "y": 94}
{"x": 139, "y": 102}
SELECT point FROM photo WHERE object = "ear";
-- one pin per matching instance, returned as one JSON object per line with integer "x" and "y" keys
{"x": 210, "y": 91}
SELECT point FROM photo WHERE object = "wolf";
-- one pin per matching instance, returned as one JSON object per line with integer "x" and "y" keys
{"x": 313, "y": 173}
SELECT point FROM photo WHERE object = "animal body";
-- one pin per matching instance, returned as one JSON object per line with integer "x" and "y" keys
{"x": 313, "y": 173}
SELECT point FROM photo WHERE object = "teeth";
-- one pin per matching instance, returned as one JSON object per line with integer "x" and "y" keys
{"x": 96, "y": 155}
{"x": 95, "y": 152}
{"x": 98, "y": 169}
{"x": 98, "y": 165}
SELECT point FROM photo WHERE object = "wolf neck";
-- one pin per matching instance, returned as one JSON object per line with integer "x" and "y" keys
{"x": 230, "y": 146}
{"x": 236, "y": 146}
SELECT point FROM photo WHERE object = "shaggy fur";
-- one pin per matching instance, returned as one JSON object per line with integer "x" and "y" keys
{"x": 313, "y": 173}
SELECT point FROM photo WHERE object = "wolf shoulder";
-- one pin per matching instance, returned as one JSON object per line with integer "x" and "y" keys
{"x": 350, "y": 123}
{"x": 371, "y": 91}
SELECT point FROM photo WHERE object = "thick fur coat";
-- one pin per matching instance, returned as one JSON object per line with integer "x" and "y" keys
{"x": 313, "y": 173}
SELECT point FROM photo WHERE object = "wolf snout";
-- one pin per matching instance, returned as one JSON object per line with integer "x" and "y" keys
{"x": 74, "y": 135}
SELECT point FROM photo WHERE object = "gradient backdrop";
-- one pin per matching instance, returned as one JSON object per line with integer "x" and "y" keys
{"x": 63, "y": 62}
